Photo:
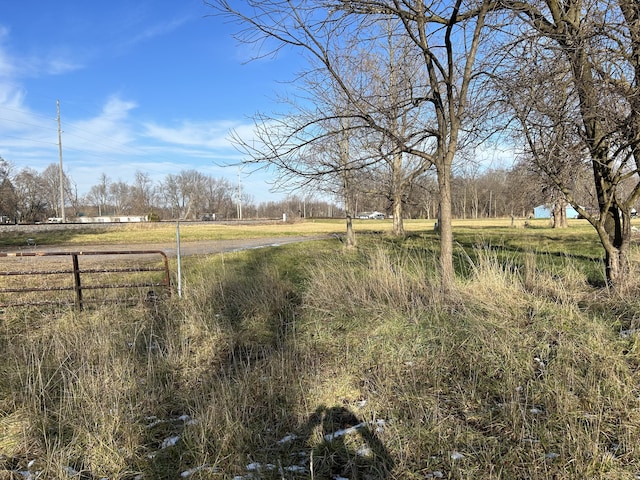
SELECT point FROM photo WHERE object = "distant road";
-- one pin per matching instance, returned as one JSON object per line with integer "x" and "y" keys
{"x": 203, "y": 247}
{"x": 220, "y": 246}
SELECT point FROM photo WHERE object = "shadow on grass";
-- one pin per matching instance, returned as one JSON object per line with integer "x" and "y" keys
{"x": 253, "y": 299}
{"x": 348, "y": 446}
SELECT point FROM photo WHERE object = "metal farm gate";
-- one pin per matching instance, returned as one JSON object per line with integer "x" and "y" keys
{"x": 79, "y": 278}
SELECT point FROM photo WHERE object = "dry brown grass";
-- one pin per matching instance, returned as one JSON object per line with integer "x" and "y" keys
{"x": 521, "y": 373}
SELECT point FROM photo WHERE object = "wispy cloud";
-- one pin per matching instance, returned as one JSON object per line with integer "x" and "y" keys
{"x": 213, "y": 135}
{"x": 59, "y": 66}
{"x": 156, "y": 30}
{"x": 110, "y": 131}
{"x": 15, "y": 66}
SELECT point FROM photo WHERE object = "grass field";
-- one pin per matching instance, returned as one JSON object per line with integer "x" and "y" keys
{"x": 165, "y": 232}
{"x": 309, "y": 361}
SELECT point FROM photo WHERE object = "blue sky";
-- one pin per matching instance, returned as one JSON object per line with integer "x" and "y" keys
{"x": 150, "y": 85}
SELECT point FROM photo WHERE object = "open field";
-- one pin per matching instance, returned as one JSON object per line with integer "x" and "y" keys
{"x": 309, "y": 361}
{"x": 165, "y": 232}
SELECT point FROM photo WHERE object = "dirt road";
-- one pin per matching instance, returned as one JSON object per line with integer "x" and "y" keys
{"x": 170, "y": 249}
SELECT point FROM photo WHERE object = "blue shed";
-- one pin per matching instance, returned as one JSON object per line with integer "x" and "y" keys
{"x": 544, "y": 211}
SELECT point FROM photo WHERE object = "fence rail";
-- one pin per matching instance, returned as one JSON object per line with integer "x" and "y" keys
{"x": 139, "y": 273}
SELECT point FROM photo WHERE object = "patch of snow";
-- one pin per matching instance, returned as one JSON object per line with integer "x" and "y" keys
{"x": 155, "y": 423}
{"x": 296, "y": 469}
{"x": 169, "y": 442}
{"x": 530, "y": 440}
{"x": 364, "y": 451}
{"x": 435, "y": 474}
{"x": 455, "y": 456}
{"x": 330, "y": 437}
{"x": 287, "y": 439}
{"x": 255, "y": 467}
{"x": 72, "y": 472}
{"x": 188, "y": 473}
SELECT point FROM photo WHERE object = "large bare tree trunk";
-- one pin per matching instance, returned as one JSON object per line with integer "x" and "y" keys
{"x": 560, "y": 214}
{"x": 445, "y": 227}
{"x": 398, "y": 216}
{"x": 350, "y": 238}
{"x": 347, "y": 185}
{"x": 397, "y": 193}
{"x": 615, "y": 236}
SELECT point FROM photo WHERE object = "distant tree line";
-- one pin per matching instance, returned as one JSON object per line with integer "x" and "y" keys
{"x": 29, "y": 196}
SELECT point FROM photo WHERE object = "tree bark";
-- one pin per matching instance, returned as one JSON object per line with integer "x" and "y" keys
{"x": 560, "y": 214}
{"x": 445, "y": 227}
{"x": 398, "y": 188}
{"x": 398, "y": 216}
{"x": 615, "y": 236}
{"x": 350, "y": 238}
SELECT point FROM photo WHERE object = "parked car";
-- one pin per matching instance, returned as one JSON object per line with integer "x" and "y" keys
{"x": 371, "y": 216}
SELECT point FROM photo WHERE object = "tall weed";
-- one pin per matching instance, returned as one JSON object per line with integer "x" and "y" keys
{"x": 293, "y": 363}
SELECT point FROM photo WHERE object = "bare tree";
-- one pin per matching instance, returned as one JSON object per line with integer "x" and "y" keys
{"x": 8, "y": 197}
{"x": 445, "y": 36}
{"x": 594, "y": 49}
{"x": 191, "y": 194}
{"x": 51, "y": 183}
{"x": 322, "y": 142}
{"x": 180, "y": 193}
{"x": 29, "y": 188}
{"x": 142, "y": 193}
{"x": 219, "y": 197}
{"x": 99, "y": 194}
{"x": 120, "y": 197}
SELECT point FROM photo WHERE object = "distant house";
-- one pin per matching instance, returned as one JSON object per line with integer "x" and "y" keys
{"x": 544, "y": 211}
{"x": 371, "y": 216}
{"x": 114, "y": 219}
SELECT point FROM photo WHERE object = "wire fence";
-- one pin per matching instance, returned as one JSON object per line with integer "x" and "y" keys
{"x": 81, "y": 278}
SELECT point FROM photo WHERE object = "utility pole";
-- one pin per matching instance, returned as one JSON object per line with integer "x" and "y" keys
{"x": 64, "y": 218}
{"x": 239, "y": 196}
